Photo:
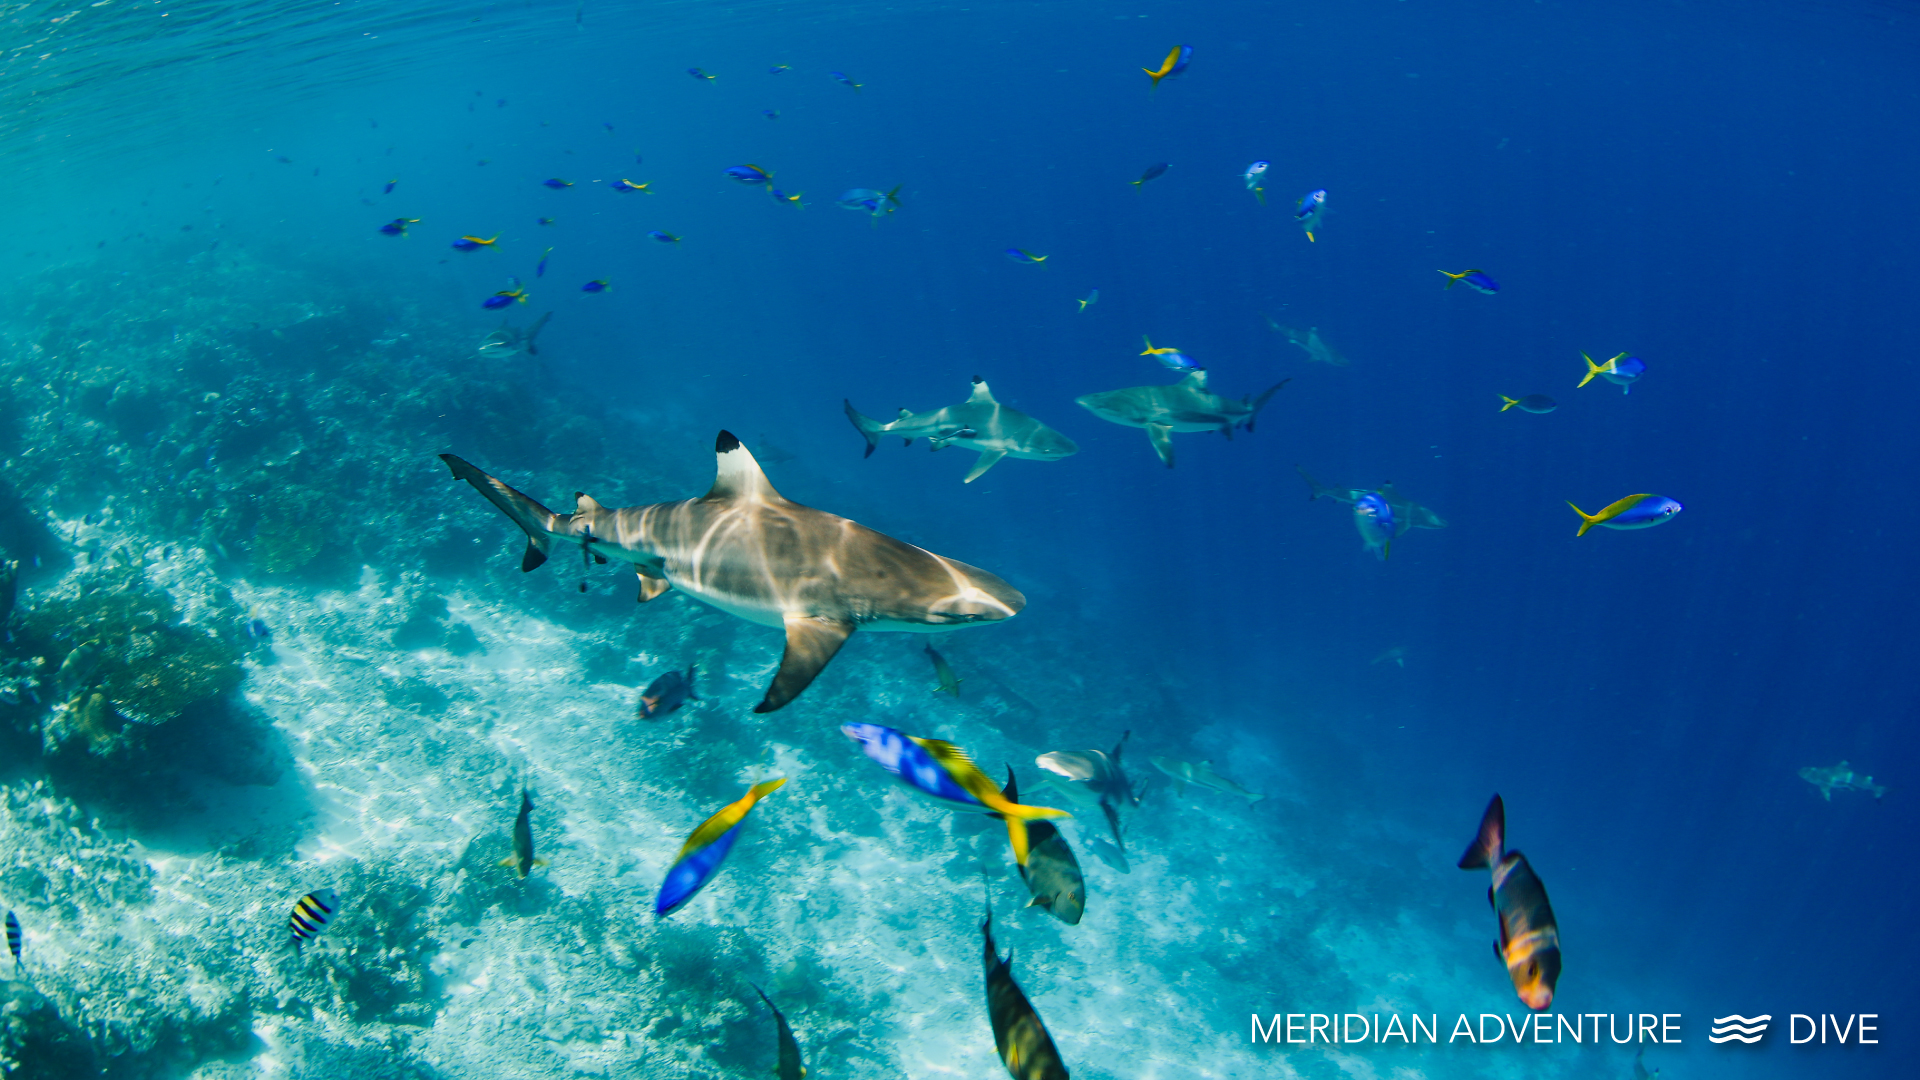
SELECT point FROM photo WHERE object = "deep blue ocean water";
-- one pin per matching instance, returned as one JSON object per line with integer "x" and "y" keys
{"x": 1721, "y": 189}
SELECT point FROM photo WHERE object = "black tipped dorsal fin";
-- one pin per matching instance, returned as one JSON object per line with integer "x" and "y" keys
{"x": 980, "y": 391}
{"x": 737, "y": 475}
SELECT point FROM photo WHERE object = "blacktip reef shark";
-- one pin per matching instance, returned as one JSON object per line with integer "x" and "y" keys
{"x": 750, "y": 552}
{"x": 509, "y": 340}
{"x": 978, "y": 423}
{"x": 1183, "y": 406}
{"x": 1201, "y": 775}
{"x": 1841, "y": 777}
{"x": 1407, "y": 514}
{"x": 1310, "y": 340}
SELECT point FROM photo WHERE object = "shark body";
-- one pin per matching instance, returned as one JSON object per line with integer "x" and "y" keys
{"x": 745, "y": 549}
{"x": 978, "y": 423}
{"x": 1407, "y": 514}
{"x": 1183, "y": 406}
{"x": 1310, "y": 340}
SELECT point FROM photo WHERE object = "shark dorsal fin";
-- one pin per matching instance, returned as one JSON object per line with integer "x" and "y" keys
{"x": 585, "y": 503}
{"x": 980, "y": 391}
{"x": 1196, "y": 379}
{"x": 737, "y": 475}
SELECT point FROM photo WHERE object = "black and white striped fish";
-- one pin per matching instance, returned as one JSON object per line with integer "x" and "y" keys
{"x": 311, "y": 913}
{"x": 13, "y": 937}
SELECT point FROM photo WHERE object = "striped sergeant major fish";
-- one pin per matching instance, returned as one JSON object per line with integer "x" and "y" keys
{"x": 13, "y": 937}
{"x": 1018, "y": 1032}
{"x": 311, "y": 914}
{"x": 706, "y": 848}
{"x": 1529, "y": 938}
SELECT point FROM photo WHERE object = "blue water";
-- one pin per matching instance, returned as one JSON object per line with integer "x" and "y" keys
{"x": 1721, "y": 189}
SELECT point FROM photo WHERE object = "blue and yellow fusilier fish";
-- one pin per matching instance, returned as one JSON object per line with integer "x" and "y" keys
{"x": 540, "y": 268}
{"x": 1175, "y": 63}
{"x": 1170, "y": 358}
{"x": 1477, "y": 280}
{"x": 1632, "y": 512}
{"x": 556, "y": 183}
{"x": 749, "y": 174}
{"x": 1021, "y": 255}
{"x": 474, "y": 243}
{"x": 842, "y": 78}
{"x": 1153, "y": 172}
{"x": 779, "y": 69}
{"x": 664, "y": 237}
{"x": 700, "y": 857}
{"x": 1093, "y": 297}
{"x": 398, "y": 226}
{"x": 783, "y": 197}
{"x": 628, "y": 185}
{"x": 1373, "y": 516}
{"x": 1622, "y": 371}
{"x": 388, "y": 190}
{"x": 1252, "y": 176}
{"x": 1533, "y": 403}
{"x": 311, "y": 914}
{"x": 503, "y": 298}
{"x": 942, "y": 772}
{"x": 1309, "y": 210}
{"x": 1529, "y": 938}
{"x": 698, "y": 74}
{"x": 596, "y": 285}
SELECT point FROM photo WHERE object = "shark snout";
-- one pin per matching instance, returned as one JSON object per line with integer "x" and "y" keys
{"x": 982, "y": 597}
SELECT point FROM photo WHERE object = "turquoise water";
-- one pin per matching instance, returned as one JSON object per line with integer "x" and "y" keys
{"x": 264, "y": 644}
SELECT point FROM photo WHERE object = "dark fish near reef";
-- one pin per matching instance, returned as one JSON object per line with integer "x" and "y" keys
{"x": 1018, "y": 1032}
{"x": 789, "y": 1066}
{"x": 1539, "y": 404}
{"x": 311, "y": 914}
{"x": 522, "y": 859}
{"x": 949, "y": 682}
{"x": 749, "y": 551}
{"x": 667, "y": 694}
{"x": 13, "y": 938}
{"x": 1051, "y": 872}
{"x": 1529, "y": 938}
{"x": 1154, "y": 172}
{"x": 700, "y": 857}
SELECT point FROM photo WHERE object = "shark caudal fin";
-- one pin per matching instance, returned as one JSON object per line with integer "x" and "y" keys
{"x": 867, "y": 426}
{"x": 1489, "y": 844}
{"x": 1587, "y": 521}
{"x": 1593, "y": 369}
{"x": 537, "y": 521}
{"x": 1261, "y": 403}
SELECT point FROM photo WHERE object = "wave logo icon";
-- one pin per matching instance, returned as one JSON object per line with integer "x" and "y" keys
{"x": 1747, "y": 1030}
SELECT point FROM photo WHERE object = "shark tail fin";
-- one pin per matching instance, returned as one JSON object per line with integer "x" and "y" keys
{"x": 1490, "y": 842}
{"x": 1510, "y": 402}
{"x": 867, "y": 426}
{"x": 1587, "y": 521}
{"x": 1261, "y": 402}
{"x": 1593, "y": 369}
{"x": 537, "y": 521}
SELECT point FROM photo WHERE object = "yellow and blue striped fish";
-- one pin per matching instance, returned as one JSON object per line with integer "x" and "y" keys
{"x": 700, "y": 857}
{"x": 311, "y": 913}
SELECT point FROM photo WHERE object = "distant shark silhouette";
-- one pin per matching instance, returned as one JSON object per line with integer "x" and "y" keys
{"x": 748, "y": 551}
{"x": 978, "y": 423}
{"x": 1184, "y": 406}
{"x": 1309, "y": 339}
{"x": 1407, "y": 514}
{"x": 509, "y": 340}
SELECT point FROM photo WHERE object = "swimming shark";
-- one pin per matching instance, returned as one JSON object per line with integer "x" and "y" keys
{"x": 1841, "y": 777}
{"x": 1183, "y": 406}
{"x": 1309, "y": 339}
{"x": 1102, "y": 775}
{"x": 1407, "y": 514}
{"x": 1201, "y": 775}
{"x": 509, "y": 340}
{"x": 750, "y": 552}
{"x": 978, "y": 423}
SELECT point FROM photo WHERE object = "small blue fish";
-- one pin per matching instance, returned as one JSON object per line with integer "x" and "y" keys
{"x": 1374, "y": 518}
{"x": 771, "y": 114}
{"x": 781, "y": 196}
{"x": 628, "y": 185}
{"x": 311, "y": 914}
{"x": 1252, "y": 176}
{"x": 1020, "y": 255}
{"x": 503, "y": 298}
{"x": 706, "y": 848}
{"x": 474, "y": 243}
{"x": 388, "y": 190}
{"x": 667, "y": 693}
{"x": 942, "y": 772}
{"x": 698, "y": 74}
{"x": 556, "y": 183}
{"x": 749, "y": 174}
{"x": 540, "y": 268}
{"x": 1632, "y": 512}
{"x": 1477, "y": 280}
{"x": 1154, "y": 172}
{"x": 1093, "y": 298}
{"x": 779, "y": 69}
{"x": 664, "y": 237}
{"x": 841, "y": 78}
{"x": 595, "y": 286}
{"x": 546, "y": 221}
{"x": 1622, "y": 371}
{"x": 1170, "y": 358}
{"x": 608, "y": 125}
{"x": 398, "y": 226}
{"x": 1312, "y": 206}
{"x": 1175, "y": 63}
{"x": 258, "y": 629}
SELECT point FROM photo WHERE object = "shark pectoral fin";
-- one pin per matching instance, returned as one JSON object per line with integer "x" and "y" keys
{"x": 650, "y": 585}
{"x": 988, "y": 458}
{"x": 811, "y": 643}
{"x": 1162, "y": 436}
